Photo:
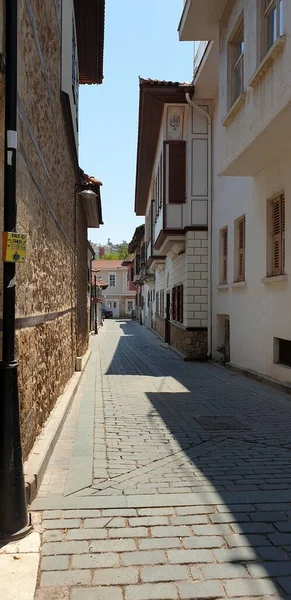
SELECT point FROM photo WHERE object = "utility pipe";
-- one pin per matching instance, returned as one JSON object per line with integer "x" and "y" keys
{"x": 209, "y": 171}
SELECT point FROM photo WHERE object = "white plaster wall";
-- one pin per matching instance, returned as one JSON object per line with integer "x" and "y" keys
{"x": 120, "y": 280}
{"x": 258, "y": 312}
{"x": 264, "y": 102}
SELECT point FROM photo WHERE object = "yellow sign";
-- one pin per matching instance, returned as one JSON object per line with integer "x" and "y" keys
{"x": 13, "y": 247}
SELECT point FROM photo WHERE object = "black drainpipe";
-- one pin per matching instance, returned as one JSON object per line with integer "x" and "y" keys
{"x": 13, "y": 509}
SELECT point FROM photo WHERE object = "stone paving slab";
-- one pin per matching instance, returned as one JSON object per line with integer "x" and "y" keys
{"x": 170, "y": 510}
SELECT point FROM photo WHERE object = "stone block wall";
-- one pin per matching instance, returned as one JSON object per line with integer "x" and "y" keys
{"x": 193, "y": 344}
{"x": 51, "y": 286}
{"x": 160, "y": 325}
{"x": 196, "y": 279}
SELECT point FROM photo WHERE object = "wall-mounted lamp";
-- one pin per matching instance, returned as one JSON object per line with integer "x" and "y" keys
{"x": 87, "y": 194}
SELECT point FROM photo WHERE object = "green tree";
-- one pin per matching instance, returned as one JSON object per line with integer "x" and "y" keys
{"x": 123, "y": 253}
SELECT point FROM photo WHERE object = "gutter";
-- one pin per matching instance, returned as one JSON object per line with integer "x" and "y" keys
{"x": 209, "y": 170}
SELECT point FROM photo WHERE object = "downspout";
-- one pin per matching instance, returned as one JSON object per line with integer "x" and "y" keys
{"x": 209, "y": 170}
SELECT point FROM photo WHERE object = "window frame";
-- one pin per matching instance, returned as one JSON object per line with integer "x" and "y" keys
{"x": 178, "y": 303}
{"x": 240, "y": 249}
{"x": 109, "y": 279}
{"x": 268, "y": 7}
{"x": 223, "y": 255}
{"x": 236, "y": 62}
{"x": 128, "y": 301}
{"x": 276, "y": 240}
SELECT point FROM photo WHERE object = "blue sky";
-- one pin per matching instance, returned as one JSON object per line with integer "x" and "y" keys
{"x": 140, "y": 39}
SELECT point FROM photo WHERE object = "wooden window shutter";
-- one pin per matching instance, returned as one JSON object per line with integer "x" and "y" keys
{"x": 224, "y": 255}
{"x": 278, "y": 236}
{"x": 181, "y": 304}
{"x": 177, "y": 172}
{"x": 241, "y": 249}
{"x": 173, "y": 304}
{"x": 178, "y": 302}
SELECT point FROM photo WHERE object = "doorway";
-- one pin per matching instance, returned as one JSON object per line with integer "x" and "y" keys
{"x": 114, "y": 306}
{"x": 167, "y": 321}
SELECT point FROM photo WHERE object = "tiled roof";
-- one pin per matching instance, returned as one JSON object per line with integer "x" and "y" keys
{"x": 107, "y": 265}
{"x": 90, "y": 24}
{"x": 161, "y": 82}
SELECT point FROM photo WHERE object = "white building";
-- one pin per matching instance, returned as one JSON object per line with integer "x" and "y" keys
{"x": 172, "y": 192}
{"x": 120, "y": 295}
{"x": 243, "y": 74}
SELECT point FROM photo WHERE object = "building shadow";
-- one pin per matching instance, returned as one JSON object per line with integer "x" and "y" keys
{"x": 235, "y": 438}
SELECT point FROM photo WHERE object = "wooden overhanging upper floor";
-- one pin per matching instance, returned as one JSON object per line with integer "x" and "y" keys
{"x": 90, "y": 20}
{"x": 153, "y": 96}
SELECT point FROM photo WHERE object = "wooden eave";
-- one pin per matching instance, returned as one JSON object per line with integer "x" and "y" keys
{"x": 90, "y": 25}
{"x": 153, "y": 96}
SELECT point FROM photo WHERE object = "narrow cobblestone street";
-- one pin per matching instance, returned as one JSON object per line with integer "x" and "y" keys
{"x": 170, "y": 480}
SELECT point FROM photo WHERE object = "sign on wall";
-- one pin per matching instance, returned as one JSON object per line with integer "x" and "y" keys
{"x": 14, "y": 247}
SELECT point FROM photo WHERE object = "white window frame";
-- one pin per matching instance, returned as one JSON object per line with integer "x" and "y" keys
{"x": 269, "y": 6}
{"x": 109, "y": 279}
{"x": 236, "y": 64}
{"x": 129, "y": 311}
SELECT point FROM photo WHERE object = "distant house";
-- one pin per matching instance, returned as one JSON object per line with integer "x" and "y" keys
{"x": 120, "y": 296}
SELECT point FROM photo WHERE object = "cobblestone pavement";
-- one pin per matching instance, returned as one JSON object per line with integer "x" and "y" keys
{"x": 171, "y": 480}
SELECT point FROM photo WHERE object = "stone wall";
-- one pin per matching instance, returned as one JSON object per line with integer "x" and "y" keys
{"x": 51, "y": 287}
{"x": 159, "y": 325}
{"x": 193, "y": 344}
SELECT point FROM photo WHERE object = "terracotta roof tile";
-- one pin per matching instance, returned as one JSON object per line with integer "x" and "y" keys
{"x": 108, "y": 265}
{"x": 161, "y": 82}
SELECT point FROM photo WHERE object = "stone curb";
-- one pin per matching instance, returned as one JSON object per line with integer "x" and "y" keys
{"x": 36, "y": 464}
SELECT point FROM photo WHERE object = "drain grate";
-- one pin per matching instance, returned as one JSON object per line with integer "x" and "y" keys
{"x": 222, "y": 423}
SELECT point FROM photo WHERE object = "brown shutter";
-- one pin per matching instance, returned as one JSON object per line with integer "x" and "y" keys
{"x": 177, "y": 172}
{"x": 174, "y": 304}
{"x": 283, "y": 233}
{"x": 241, "y": 249}
{"x": 277, "y": 254}
{"x": 224, "y": 255}
{"x": 178, "y": 301}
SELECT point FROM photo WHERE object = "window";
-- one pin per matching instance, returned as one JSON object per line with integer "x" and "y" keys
{"x": 174, "y": 304}
{"x": 236, "y": 48}
{"x": 130, "y": 306}
{"x": 276, "y": 237}
{"x": 162, "y": 303}
{"x": 282, "y": 352}
{"x": 239, "y": 259}
{"x": 273, "y": 22}
{"x": 112, "y": 280}
{"x": 157, "y": 303}
{"x": 175, "y": 168}
{"x": 157, "y": 187}
{"x": 177, "y": 303}
{"x": 223, "y": 255}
